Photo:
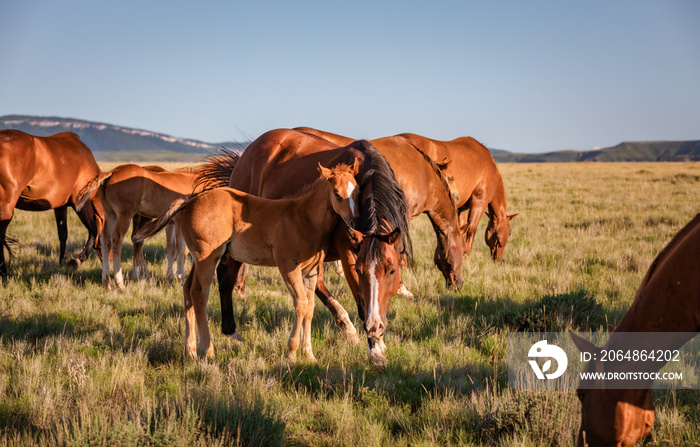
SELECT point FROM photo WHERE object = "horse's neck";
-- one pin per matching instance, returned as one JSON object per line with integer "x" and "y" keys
{"x": 316, "y": 202}
{"x": 498, "y": 202}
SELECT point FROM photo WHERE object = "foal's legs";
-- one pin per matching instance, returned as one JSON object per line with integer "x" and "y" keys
{"x": 117, "y": 239}
{"x": 175, "y": 250}
{"x": 339, "y": 314}
{"x": 196, "y": 294}
{"x": 93, "y": 222}
{"x": 292, "y": 276}
{"x": 138, "y": 270}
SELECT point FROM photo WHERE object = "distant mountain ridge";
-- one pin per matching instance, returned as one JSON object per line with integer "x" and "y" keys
{"x": 627, "y": 151}
{"x": 111, "y": 142}
{"x": 107, "y": 139}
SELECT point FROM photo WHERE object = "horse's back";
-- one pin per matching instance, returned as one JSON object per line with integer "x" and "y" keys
{"x": 281, "y": 162}
{"x": 668, "y": 299}
{"x": 48, "y": 170}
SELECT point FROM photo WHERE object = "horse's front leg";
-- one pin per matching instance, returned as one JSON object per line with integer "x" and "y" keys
{"x": 311, "y": 276}
{"x": 61, "y": 215}
{"x": 339, "y": 314}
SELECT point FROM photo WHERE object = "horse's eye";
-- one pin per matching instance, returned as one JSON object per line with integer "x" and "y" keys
{"x": 392, "y": 271}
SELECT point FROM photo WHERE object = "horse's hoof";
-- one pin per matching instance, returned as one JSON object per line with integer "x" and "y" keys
{"x": 404, "y": 292}
{"x": 353, "y": 338}
{"x": 237, "y": 337}
{"x": 74, "y": 263}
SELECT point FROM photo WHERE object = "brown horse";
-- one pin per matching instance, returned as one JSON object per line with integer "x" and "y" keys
{"x": 479, "y": 185}
{"x": 292, "y": 234}
{"x": 668, "y": 300}
{"x": 43, "y": 173}
{"x": 475, "y": 182}
{"x": 280, "y": 162}
{"x": 426, "y": 190}
{"x": 126, "y": 191}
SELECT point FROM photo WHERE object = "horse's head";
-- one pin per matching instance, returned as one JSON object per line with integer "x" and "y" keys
{"x": 344, "y": 191}
{"x": 612, "y": 416}
{"x": 497, "y": 233}
{"x": 378, "y": 268}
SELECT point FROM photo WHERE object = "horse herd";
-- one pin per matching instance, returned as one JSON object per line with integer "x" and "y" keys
{"x": 298, "y": 197}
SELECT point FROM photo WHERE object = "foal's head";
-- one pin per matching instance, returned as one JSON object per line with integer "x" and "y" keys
{"x": 344, "y": 191}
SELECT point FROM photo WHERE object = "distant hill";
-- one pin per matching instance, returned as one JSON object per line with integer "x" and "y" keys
{"x": 630, "y": 151}
{"x": 115, "y": 143}
{"x": 109, "y": 142}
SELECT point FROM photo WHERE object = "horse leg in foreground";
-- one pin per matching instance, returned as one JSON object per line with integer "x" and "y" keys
{"x": 339, "y": 314}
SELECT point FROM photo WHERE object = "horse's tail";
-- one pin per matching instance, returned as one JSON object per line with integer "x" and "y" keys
{"x": 90, "y": 187}
{"x": 153, "y": 227}
{"x": 216, "y": 171}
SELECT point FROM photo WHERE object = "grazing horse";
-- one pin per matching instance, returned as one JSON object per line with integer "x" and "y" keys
{"x": 475, "y": 183}
{"x": 281, "y": 162}
{"x": 130, "y": 190}
{"x": 292, "y": 234}
{"x": 667, "y": 301}
{"x": 479, "y": 186}
{"x": 427, "y": 191}
{"x": 43, "y": 173}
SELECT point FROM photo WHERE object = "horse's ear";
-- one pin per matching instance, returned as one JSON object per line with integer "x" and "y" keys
{"x": 512, "y": 216}
{"x": 392, "y": 237}
{"x": 582, "y": 344}
{"x": 325, "y": 172}
{"x": 356, "y": 167}
{"x": 356, "y": 238}
{"x": 611, "y": 328}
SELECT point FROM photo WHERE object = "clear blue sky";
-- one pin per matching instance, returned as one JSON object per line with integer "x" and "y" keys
{"x": 525, "y": 76}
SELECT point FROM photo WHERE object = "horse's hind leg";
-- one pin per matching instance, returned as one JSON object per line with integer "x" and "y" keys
{"x": 61, "y": 214}
{"x": 175, "y": 251}
{"x": 88, "y": 217}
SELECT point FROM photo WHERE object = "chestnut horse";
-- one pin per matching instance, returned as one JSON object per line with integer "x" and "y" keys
{"x": 473, "y": 176}
{"x": 280, "y": 162}
{"x": 43, "y": 173}
{"x": 292, "y": 234}
{"x": 426, "y": 190}
{"x": 479, "y": 186}
{"x": 126, "y": 191}
{"x": 667, "y": 301}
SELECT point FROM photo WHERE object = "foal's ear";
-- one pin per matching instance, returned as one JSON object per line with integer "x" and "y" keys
{"x": 443, "y": 164}
{"x": 355, "y": 167}
{"x": 582, "y": 344}
{"x": 325, "y": 172}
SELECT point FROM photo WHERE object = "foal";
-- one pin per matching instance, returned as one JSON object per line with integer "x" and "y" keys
{"x": 130, "y": 190}
{"x": 292, "y": 234}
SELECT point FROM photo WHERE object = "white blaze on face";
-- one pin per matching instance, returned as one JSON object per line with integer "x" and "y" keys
{"x": 351, "y": 188}
{"x": 373, "y": 317}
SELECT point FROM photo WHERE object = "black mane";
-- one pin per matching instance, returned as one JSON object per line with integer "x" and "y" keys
{"x": 383, "y": 205}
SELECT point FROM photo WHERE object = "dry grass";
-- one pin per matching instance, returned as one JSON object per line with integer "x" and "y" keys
{"x": 83, "y": 366}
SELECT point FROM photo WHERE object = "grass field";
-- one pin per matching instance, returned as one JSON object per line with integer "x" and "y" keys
{"x": 80, "y": 365}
